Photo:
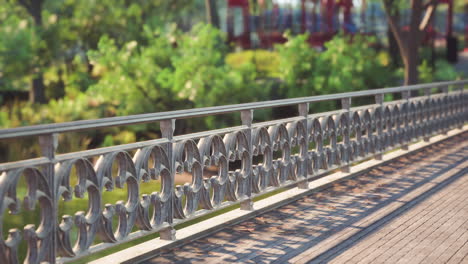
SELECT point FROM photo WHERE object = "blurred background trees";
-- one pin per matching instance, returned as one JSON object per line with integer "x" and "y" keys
{"x": 84, "y": 59}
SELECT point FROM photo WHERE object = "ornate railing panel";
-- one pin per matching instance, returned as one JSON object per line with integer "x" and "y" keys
{"x": 271, "y": 155}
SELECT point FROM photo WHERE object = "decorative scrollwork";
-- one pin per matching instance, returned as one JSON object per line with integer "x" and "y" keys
{"x": 38, "y": 191}
{"x": 262, "y": 146}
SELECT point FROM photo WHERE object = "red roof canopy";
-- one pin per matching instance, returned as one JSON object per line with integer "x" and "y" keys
{"x": 238, "y": 2}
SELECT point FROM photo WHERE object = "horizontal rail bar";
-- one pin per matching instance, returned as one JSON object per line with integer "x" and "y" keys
{"x": 200, "y": 112}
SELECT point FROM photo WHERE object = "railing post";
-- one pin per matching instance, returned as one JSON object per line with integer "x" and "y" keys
{"x": 346, "y": 105}
{"x": 247, "y": 118}
{"x": 445, "y": 89}
{"x": 427, "y": 113}
{"x": 48, "y": 144}
{"x": 427, "y": 92}
{"x": 405, "y": 95}
{"x": 303, "y": 110}
{"x": 379, "y": 99}
{"x": 445, "y": 110}
{"x": 167, "y": 131}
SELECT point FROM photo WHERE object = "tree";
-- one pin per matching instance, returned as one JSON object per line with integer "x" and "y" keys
{"x": 37, "y": 91}
{"x": 212, "y": 13}
{"x": 41, "y": 39}
{"x": 409, "y": 40}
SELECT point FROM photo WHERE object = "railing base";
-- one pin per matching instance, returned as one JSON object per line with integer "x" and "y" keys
{"x": 346, "y": 169}
{"x": 168, "y": 234}
{"x": 247, "y": 205}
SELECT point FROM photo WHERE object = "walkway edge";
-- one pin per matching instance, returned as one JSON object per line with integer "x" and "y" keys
{"x": 152, "y": 247}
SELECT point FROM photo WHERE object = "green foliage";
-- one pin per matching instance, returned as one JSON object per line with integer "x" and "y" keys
{"x": 173, "y": 71}
{"x": 17, "y": 50}
{"x": 65, "y": 109}
{"x": 265, "y": 62}
{"x": 130, "y": 75}
{"x": 351, "y": 65}
{"x": 68, "y": 30}
{"x": 346, "y": 65}
{"x": 425, "y": 72}
{"x": 202, "y": 76}
{"x": 443, "y": 71}
{"x": 199, "y": 65}
{"x": 298, "y": 63}
{"x": 61, "y": 110}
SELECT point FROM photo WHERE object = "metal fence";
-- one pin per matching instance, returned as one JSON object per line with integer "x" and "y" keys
{"x": 291, "y": 151}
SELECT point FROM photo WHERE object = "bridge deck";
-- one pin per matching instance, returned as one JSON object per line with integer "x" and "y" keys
{"x": 413, "y": 210}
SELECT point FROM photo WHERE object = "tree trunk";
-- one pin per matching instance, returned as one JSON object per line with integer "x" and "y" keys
{"x": 411, "y": 67}
{"x": 37, "y": 91}
{"x": 212, "y": 13}
{"x": 37, "y": 16}
{"x": 410, "y": 40}
{"x": 393, "y": 49}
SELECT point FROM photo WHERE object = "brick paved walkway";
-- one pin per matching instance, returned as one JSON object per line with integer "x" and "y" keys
{"x": 413, "y": 210}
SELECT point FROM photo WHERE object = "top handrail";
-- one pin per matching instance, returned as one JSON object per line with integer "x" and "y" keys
{"x": 43, "y": 129}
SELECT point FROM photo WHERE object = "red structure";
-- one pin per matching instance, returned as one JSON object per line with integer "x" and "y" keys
{"x": 270, "y": 21}
{"x": 265, "y": 26}
{"x": 243, "y": 38}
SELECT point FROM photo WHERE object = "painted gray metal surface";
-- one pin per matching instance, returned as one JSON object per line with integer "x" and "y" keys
{"x": 308, "y": 145}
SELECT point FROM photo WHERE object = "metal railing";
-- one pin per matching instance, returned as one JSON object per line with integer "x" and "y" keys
{"x": 310, "y": 144}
